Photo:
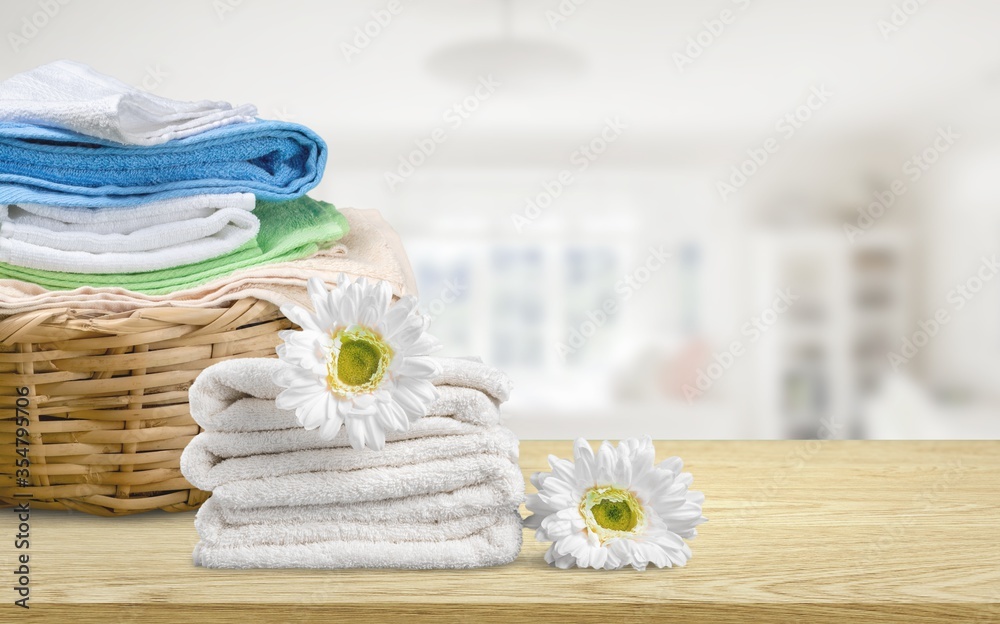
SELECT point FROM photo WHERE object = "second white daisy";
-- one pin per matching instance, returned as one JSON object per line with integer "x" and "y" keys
{"x": 615, "y": 509}
{"x": 360, "y": 361}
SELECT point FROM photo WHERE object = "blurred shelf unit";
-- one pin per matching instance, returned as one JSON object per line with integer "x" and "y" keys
{"x": 823, "y": 356}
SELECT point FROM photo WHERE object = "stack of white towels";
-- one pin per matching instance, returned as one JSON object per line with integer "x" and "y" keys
{"x": 444, "y": 494}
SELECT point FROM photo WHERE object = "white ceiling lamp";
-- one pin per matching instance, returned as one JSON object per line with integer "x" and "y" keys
{"x": 515, "y": 61}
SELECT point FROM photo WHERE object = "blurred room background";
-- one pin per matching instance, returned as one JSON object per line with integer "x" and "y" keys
{"x": 726, "y": 219}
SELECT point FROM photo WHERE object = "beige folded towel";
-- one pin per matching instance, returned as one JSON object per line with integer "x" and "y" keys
{"x": 372, "y": 249}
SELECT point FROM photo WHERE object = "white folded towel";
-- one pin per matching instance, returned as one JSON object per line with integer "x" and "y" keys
{"x": 138, "y": 228}
{"x": 150, "y": 237}
{"x": 368, "y": 484}
{"x": 225, "y": 444}
{"x": 73, "y": 96}
{"x": 497, "y": 544}
{"x": 491, "y": 497}
{"x": 214, "y": 530}
{"x": 250, "y": 415}
{"x": 222, "y": 396}
{"x": 238, "y": 460}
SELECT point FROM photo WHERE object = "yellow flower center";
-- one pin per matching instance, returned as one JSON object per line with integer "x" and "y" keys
{"x": 612, "y": 512}
{"x": 362, "y": 362}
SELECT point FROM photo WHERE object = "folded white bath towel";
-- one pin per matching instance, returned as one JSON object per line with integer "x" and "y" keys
{"x": 73, "y": 96}
{"x": 215, "y": 531}
{"x": 213, "y": 459}
{"x": 138, "y": 228}
{"x": 250, "y": 415}
{"x": 222, "y": 396}
{"x": 491, "y": 497}
{"x": 497, "y": 544}
{"x": 149, "y": 237}
{"x": 368, "y": 484}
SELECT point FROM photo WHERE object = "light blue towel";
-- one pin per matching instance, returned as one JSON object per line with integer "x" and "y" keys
{"x": 274, "y": 160}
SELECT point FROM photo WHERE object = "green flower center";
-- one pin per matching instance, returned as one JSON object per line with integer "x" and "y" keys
{"x": 362, "y": 362}
{"x": 614, "y": 515}
{"x": 612, "y": 512}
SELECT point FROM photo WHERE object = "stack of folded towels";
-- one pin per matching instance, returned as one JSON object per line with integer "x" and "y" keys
{"x": 113, "y": 198}
{"x": 444, "y": 494}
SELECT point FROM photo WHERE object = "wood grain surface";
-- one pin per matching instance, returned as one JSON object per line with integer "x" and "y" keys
{"x": 798, "y": 531}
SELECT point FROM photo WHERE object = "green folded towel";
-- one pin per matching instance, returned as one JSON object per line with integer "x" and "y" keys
{"x": 288, "y": 231}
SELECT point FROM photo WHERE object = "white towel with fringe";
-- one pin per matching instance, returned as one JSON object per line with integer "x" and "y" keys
{"x": 73, "y": 96}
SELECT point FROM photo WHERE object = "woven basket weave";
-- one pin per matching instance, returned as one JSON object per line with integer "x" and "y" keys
{"x": 107, "y": 411}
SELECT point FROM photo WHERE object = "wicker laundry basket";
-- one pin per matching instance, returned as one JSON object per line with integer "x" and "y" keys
{"x": 103, "y": 401}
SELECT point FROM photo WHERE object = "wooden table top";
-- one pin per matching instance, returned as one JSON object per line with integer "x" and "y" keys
{"x": 798, "y": 530}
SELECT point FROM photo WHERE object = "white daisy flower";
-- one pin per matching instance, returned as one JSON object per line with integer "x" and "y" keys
{"x": 615, "y": 509}
{"x": 359, "y": 361}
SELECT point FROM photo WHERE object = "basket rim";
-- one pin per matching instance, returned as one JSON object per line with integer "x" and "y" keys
{"x": 76, "y": 323}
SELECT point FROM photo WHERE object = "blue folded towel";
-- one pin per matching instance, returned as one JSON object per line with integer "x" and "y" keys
{"x": 274, "y": 160}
